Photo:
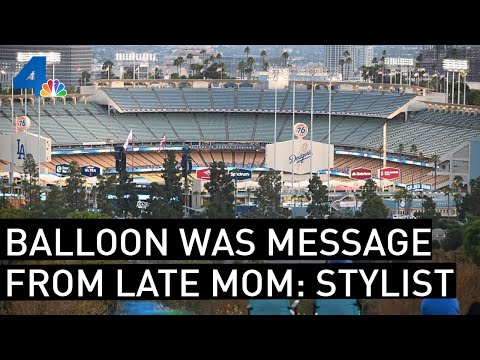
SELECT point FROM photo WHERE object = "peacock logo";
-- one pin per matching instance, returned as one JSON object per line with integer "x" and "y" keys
{"x": 53, "y": 88}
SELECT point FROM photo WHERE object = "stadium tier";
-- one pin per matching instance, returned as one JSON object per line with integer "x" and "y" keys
{"x": 234, "y": 116}
{"x": 246, "y": 159}
{"x": 378, "y": 104}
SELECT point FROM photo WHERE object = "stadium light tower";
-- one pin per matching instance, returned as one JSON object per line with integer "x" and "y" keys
{"x": 400, "y": 62}
{"x": 460, "y": 66}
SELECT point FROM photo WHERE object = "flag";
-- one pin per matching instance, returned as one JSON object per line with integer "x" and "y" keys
{"x": 416, "y": 74}
{"x": 434, "y": 75}
{"x": 129, "y": 138}
{"x": 219, "y": 69}
{"x": 441, "y": 77}
{"x": 426, "y": 75}
{"x": 162, "y": 141}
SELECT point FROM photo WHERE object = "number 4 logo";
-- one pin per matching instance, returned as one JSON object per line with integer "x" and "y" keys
{"x": 38, "y": 66}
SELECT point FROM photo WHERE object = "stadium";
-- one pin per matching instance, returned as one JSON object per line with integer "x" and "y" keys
{"x": 233, "y": 121}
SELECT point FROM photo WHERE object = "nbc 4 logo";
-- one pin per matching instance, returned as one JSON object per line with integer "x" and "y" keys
{"x": 53, "y": 88}
{"x": 38, "y": 66}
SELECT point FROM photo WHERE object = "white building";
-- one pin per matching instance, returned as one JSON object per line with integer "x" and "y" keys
{"x": 360, "y": 55}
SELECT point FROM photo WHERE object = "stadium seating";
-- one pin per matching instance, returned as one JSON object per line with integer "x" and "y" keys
{"x": 272, "y": 307}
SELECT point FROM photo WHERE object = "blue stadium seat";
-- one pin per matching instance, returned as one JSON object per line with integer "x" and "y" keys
{"x": 443, "y": 306}
{"x": 272, "y": 307}
{"x": 337, "y": 307}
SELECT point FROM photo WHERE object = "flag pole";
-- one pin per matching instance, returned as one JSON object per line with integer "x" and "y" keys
{"x": 132, "y": 152}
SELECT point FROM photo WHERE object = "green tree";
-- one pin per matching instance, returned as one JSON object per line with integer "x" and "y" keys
{"x": 54, "y": 205}
{"x": 369, "y": 188}
{"x": 269, "y": 200}
{"x": 127, "y": 197}
{"x": 471, "y": 243}
{"x": 4, "y": 203}
{"x": 166, "y": 201}
{"x": 454, "y": 238}
{"x": 75, "y": 195}
{"x": 104, "y": 191}
{"x": 87, "y": 215}
{"x": 14, "y": 213}
{"x": 221, "y": 189}
{"x": 373, "y": 206}
{"x": 107, "y": 72}
{"x": 435, "y": 159}
{"x": 29, "y": 183}
{"x": 429, "y": 210}
{"x": 318, "y": 207}
{"x": 471, "y": 201}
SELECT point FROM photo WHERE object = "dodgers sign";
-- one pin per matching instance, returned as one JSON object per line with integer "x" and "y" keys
{"x": 241, "y": 174}
{"x": 62, "y": 169}
{"x": 90, "y": 171}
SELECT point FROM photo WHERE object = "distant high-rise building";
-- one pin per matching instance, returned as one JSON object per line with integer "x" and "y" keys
{"x": 74, "y": 60}
{"x": 360, "y": 55}
{"x": 433, "y": 55}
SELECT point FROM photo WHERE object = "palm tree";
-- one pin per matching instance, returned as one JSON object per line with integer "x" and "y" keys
{"x": 457, "y": 183}
{"x": 251, "y": 62}
{"x": 285, "y": 57}
{"x": 341, "y": 62}
{"x": 176, "y": 63}
{"x": 384, "y": 56}
{"x": 263, "y": 55}
{"x": 202, "y": 53}
{"x": 374, "y": 61}
{"x": 401, "y": 149}
{"x": 447, "y": 191}
{"x": 190, "y": 57}
{"x": 357, "y": 197}
{"x": 348, "y": 62}
{"x": 398, "y": 197}
{"x": 219, "y": 56}
{"x": 458, "y": 201}
{"x": 413, "y": 149}
{"x": 241, "y": 67}
{"x": 249, "y": 71}
{"x": 247, "y": 51}
{"x": 363, "y": 70}
{"x": 435, "y": 159}
{"x": 408, "y": 200}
